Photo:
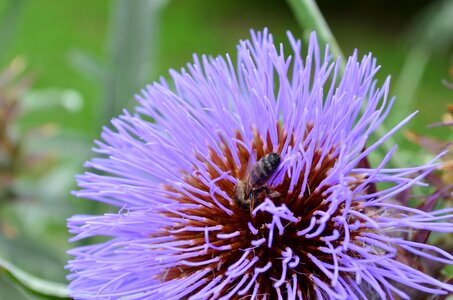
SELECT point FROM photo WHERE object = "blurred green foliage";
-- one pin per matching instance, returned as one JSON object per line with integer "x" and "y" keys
{"x": 88, "y": 57}
{"x": 50, "y": 30}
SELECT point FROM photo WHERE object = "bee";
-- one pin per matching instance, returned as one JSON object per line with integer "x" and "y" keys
{"x": 247, "y": 191}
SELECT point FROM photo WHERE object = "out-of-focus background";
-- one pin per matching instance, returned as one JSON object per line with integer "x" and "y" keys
{"x": 68, "y": 66}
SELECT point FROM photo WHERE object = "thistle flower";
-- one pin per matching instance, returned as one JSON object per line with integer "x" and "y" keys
{"x": 316, "y": 228}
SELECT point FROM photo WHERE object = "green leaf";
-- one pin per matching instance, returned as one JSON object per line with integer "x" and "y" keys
{"x": 133, "y": 30}
{"x": 35, "y": 285}
{"x": 87, "y": 65}
{"x": 9, "y": 290}
{"x": 430, "y": 32}
{"x": 448, "y": 271}
{"x": 68, "y": 99}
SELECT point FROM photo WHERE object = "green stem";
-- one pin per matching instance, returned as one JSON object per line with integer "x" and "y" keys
{"x": 35, "y": 285}
{"x": 310, "y": 18}
{"x": 133, "y": 33}
{"x": 409, "y": 80}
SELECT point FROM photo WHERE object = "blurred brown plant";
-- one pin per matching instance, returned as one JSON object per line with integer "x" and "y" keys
{"x": 15, "y": 160}
{"x": 442, "y": 182}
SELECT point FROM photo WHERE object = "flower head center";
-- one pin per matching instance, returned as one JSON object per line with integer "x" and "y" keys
{"x": 273, "y": 237}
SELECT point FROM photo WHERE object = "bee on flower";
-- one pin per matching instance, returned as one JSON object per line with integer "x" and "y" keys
{"x": 193, "y": 222}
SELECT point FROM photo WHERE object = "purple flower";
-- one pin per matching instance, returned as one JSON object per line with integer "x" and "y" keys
{"x": 202, "y": 217}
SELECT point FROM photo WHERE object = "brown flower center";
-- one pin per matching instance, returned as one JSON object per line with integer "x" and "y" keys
{"x": 238, "y": 232}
